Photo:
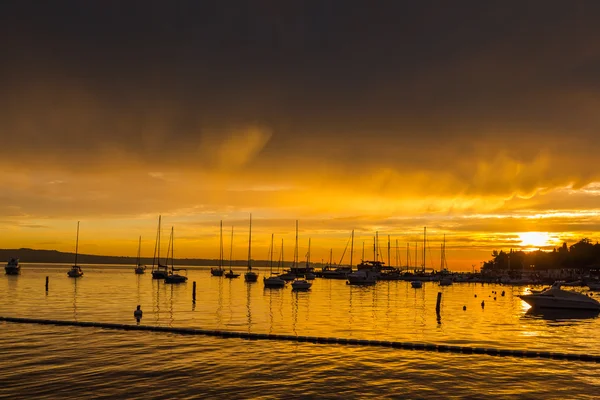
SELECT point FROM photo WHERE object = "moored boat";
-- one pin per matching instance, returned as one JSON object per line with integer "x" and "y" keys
{"x": 172, "y": 277}
{"x": 159, "y": 271}
{"x": 362, "y": 277}
{"x": 416, "y": 284}
{"x": 230, "y": 274}
{"x": 274, "y": 281}
{"x": 76, "y": 271}
{"x": 12, "y": 267}
{"x": 139, "y": 268}
{"x": 250, "y": 276}
{"x": 555, "y": 297}
{"x": 219, "y": 271}
{"x": 301, "y": 284}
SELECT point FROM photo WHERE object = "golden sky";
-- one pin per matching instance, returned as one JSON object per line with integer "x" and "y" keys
{"x": 479, "y": 122}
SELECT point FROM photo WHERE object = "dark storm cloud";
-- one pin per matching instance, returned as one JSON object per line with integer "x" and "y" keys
{"x": 432, "y": 86}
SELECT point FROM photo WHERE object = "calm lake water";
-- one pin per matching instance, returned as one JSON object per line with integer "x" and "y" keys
{"x": 71, "y": 362}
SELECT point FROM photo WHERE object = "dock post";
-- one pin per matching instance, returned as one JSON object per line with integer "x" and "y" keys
{"x": 194, "y": 292}
{"x": 437, "y": 304}
{"x": 46, "y": 284}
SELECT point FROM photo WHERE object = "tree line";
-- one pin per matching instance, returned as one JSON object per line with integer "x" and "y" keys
{"x": 581, "y": 255}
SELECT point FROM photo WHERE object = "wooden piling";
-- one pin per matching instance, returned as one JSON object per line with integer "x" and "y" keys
{"x": 437, "y": 304}
{"x": 46, "y": 284}
{"x": 194, "y": 292}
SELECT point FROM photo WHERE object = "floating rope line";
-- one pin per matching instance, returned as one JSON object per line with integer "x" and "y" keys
{"x": 442, "y": 348}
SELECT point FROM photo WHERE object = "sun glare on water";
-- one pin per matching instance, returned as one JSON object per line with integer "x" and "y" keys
{"x": 535, "y": 239}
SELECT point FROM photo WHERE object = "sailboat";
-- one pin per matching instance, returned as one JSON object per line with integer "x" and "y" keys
{"x": 250, "y": 276}
{"x": 173, "y": 277}
{"x": 299, "y": 284}
{"x": 75, "y": 271}
{"x": 231, "y": 274}
{"x": 219, "y": 271}
{"x": 139, "y": 268}
{"x": 160, "y": 271}
{"x": 309, "y": 275}
{"x": 445, "y": 276}
{"x": 340, "y": 272}
{"x": 273, "y": 281}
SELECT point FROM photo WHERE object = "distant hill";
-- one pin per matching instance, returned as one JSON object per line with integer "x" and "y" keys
{"x": 53, "y": 256}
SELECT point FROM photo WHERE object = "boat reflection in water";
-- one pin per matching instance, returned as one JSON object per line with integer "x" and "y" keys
{"x": 559, "y": 315}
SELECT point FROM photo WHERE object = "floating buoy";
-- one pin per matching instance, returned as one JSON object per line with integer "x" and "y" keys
{"x": 475, "y": 296}
{"x": 138, "y": 312}
{"x": 502, "y": 293}
{"x": 464, "y": 308}
{"x": 482, "y": 303}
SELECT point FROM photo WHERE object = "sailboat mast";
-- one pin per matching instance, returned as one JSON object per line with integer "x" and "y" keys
{"x": 231, "y": 249}
{"x": 281, "y": 255}
{"x": 389, "y": 260}
{"x": 397, "y": 255}
{"x": 375, "y": 247}
{"x": 271, "y": 263}
{"x": 172, "y": 250}
{"x": 139, "y": 251}
{"x": 363, "y": 252}
{"x": 416, "y": 255}
{"x": 77, "y": 243}
{"x": 424, "y": 246}
{"x": 250, "y": 245}
{"x": 221, "y": 246}
{"x": 296, "y": 248}
{"x": 158, "y": 242}
{"x": 308, "y": 256}
{"x": 351, "y": 248}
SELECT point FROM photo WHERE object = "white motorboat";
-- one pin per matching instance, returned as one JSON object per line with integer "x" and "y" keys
{"x": 555, "y": 297}
{"x": 416, "y": 284}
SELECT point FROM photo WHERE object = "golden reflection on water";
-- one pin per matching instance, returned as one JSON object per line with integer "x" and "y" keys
{"x": 389, "y": 310}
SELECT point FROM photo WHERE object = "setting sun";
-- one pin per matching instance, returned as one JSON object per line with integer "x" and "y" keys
{"x": 535, "y": 239}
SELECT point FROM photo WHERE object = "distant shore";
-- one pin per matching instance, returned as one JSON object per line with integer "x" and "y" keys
{"x": 58, "y": 257}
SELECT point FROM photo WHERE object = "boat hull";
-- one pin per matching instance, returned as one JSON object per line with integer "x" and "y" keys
{"x": 75, "y": 273}
{"x": 176, "y": 279}
{"x": 540, "y": 301}
{"x": 250, "y": 276}
{"x": 10, "y": 270}
{"x": 273, "y": 283}
{"x": 301, "y": 285}
{"x": 232, "y": 275}
{"x": 216, "y": 272}
{"x": 158, "y": 274}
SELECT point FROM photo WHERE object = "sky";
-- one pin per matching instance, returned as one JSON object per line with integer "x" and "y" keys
{"x": 477, "y": 120}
